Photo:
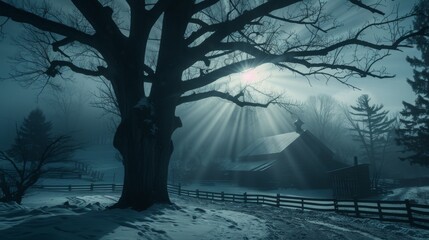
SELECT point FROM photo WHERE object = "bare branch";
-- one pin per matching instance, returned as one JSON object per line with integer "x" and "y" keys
{"x": 222, "y": 30}
{"x": 226, "y": 96}
{"x": 6, "y": 157}
{"x": 100, "y": 18}
{"x": 367, "y": 7}
{"x": 203, "y": 5}
{"x": 53, "y": 69}
{"x": 44, "y": 24}
{"x": 106, "y": 99}
{"x": 56, "y": 45}
{"x": 1, "y": 27}
{"x": 303, "y": 56}
{"x": 208, "y": 78}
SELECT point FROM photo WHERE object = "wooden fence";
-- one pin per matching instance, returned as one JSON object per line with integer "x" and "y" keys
{"x": 417, "y": 215}
{"x": 83, "y": 187}
{"x": 407, "y": 211}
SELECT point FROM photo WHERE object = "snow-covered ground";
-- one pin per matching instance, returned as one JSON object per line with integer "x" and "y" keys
{"x": 50, "y": 215}
{"x": 83, "y": 215}
{"x": 233, "y": 188}
{"x": 417, "y": 194}
{"x": 80, "y": 215}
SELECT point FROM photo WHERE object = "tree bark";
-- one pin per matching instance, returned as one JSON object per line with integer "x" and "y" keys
{"x": 145, "y": 157}
{"x": 143, "y": 138}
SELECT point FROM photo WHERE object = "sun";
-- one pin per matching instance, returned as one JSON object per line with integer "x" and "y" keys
{"x": 250, "y": 76}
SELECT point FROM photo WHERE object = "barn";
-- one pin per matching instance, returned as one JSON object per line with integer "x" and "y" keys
{"x": 294, "y": 159}
{"x": 351, "y": 182}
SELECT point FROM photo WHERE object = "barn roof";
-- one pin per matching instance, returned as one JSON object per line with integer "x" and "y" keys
{"x": 264, "y": 152}
{"x": 270, "y": 145}
{"x": 256, "y": 166}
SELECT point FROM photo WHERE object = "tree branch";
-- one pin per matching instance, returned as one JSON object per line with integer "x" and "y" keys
{"x": 56, "y": 45}
{"x": 203, "y": 5}
{"x": 214, "y": 75}
{"x": 41, "y": 23}
{"x": 99, "y": 17}
{"x": 226, "y": 96}
{"x": 53, "y": 69}
{"x": 297, "y": 56}
{"x": 367, "y": 7}
{"x": 5, "y": 156}
{"x": 222, "y": 30}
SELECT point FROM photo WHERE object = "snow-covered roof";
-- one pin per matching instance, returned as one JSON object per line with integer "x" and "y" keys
{"x": 251, "y": 165}
{"x": 270, "y": 145}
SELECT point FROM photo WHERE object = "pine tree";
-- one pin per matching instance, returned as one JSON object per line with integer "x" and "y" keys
{"x": 32, "y": 151}
{"x": 414, "y": 132}
{"x": 32, "y": 137}
{"x": 372, "y": 128}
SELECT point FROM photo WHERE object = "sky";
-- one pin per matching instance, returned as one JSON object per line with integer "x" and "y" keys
{"x": 16, "y": 101}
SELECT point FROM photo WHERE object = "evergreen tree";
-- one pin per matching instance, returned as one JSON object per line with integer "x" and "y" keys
{"x": 29, "y": 156}
{"x": 372, "y": 128}
{"x": 32, "y": 137}
{"x": 414, "y": 132}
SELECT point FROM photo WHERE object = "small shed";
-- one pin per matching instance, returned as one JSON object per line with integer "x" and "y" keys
{"x": 294, "y": 159}
{"x": 351, "y": 182}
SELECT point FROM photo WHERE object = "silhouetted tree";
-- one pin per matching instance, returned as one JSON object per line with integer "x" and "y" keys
{"x": 414, "y": 131}
{"x": 182, "y": 50}
{"x": 32, "y": 137}
{"x": 68, "y": 104}
{"x": 29, "y": 156}
{"x": 323, "y": 116}
{"x": 373, "y": 130}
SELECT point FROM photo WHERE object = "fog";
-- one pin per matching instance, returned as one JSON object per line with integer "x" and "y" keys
{"x": 204, "y": 130}
{"x": 313, "y": 136}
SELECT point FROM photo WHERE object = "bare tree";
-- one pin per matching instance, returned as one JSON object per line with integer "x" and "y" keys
{"x": 68, "y": 104}
{"x": 183, "y": 48}
{"x": 23, "y": 173}
{"x": 322, "y": 114}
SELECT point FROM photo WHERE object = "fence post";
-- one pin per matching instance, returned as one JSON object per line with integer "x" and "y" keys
{"x": 70, "y": 188}
{"x": 245, "y": 197}
{"x": 257, "y": 199}
{"x": 278, "y": 199}
{"x": 222, "y": 196}
{"x": 335, "y": 205}
{"x": 113, "y": 187}
{"x": 356, "y": 207}
{"x": 180, "y": 189}
{"x": 198, "y": 193}
{"x": 380, "y": 213}
{"x": 409, "y": 213}
{"x": 91, "y": 187}
{"x": 302, "y": 204}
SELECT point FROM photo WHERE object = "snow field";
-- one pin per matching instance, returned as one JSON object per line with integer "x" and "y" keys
{"x": 86, "y": 217}
{"x": 82, "y": 215}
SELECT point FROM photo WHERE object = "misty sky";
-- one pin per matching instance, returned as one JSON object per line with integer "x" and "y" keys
{"x": 16, "y": 101}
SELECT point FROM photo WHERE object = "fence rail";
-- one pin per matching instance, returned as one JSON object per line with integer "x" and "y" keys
{"x": 417, "y": 215}
{"x": 407, "y": 211}
{"x": 83, "y": 187}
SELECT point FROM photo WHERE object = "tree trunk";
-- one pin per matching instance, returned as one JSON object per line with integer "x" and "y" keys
{"x": 147, "y": 123}
{"x": 144, "y": 140}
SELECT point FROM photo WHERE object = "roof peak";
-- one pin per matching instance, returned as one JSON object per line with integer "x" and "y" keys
{"x": 298, "y": 126}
